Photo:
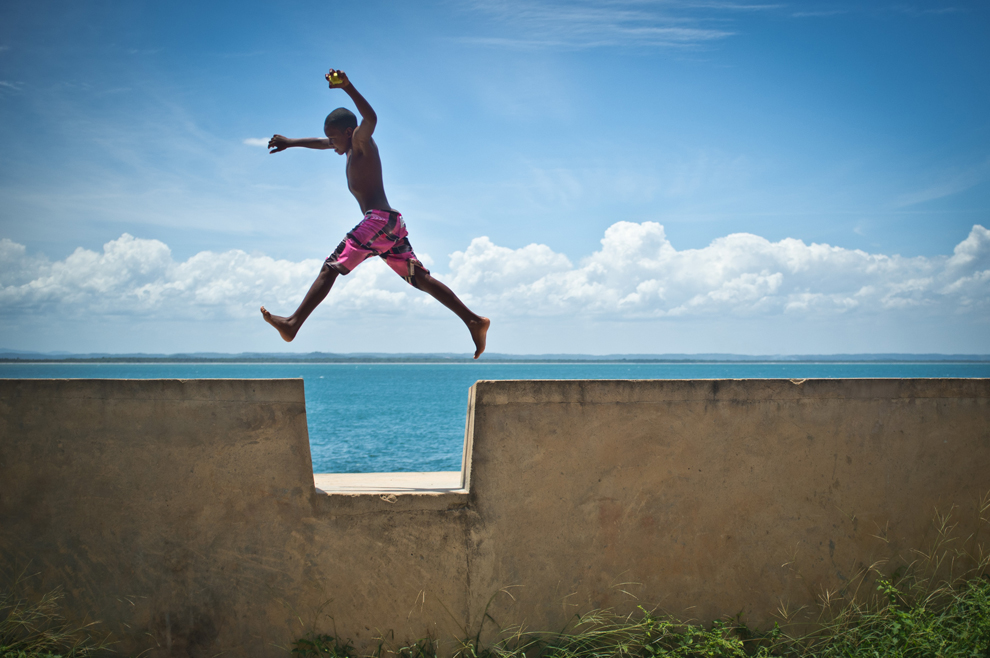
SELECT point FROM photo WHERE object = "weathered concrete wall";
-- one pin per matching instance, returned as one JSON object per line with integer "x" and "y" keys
{"x": 694, "y": 494}
{"x": 187, "y": 512}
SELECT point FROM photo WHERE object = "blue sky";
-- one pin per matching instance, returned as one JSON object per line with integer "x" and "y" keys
{"x": 598, "y": 177}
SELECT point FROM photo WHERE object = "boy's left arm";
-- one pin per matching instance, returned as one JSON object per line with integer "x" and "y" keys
{"x": 362, "y": 134}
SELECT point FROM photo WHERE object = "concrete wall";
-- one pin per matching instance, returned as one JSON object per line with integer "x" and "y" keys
{"x": 183, "y": 513}
{"x": 694, "y": 494}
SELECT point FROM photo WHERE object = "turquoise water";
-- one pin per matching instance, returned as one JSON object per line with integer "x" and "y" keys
{"x": 381, "y": 417}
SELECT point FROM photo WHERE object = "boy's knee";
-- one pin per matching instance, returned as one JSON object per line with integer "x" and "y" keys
{"x": 333, "y": 269}
{"x": 417, "y": 276}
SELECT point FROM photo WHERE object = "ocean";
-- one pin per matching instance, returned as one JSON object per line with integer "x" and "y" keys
{"x": 386, "y": 417}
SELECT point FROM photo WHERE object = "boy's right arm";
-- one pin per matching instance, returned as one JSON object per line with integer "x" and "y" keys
{"x": 280, "y": 143}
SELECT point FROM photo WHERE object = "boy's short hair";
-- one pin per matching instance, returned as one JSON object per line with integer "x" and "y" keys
{"x": 341, "y": 119}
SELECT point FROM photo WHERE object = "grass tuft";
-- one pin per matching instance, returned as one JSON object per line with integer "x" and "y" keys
{"x": 321, "y": 646}
{"x": 37, "y": 629}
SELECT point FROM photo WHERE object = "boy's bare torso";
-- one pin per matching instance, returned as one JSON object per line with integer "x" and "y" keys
{"x": 364, "y": 178}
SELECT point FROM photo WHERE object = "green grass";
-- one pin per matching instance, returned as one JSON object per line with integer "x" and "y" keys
{"x": 35, "y": 628}
{"x": 957, "y": 626}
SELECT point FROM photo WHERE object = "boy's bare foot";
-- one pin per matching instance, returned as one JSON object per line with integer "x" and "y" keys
{"x": 285, "y": 329}
{"x": 479, "y": 333}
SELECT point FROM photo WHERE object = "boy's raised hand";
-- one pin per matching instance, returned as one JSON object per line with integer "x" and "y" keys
{"x": 278, "y": 143}
{"x": 337, "y": 79}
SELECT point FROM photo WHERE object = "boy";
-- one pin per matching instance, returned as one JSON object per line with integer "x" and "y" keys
{"x": 382, "y": 231}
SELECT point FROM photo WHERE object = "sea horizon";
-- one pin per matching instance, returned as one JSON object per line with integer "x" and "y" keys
{"x": 27, "y": 356}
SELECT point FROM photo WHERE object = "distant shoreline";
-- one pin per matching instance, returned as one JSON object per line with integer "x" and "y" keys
{"x": 212, "y": 358}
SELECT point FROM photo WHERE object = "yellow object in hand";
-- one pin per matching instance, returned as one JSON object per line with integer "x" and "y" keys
{"x": 334, "y": 78}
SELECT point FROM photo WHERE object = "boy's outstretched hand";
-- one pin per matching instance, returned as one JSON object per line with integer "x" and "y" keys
{"x": 278, "y": 143}
{"x": 337, "y": 79}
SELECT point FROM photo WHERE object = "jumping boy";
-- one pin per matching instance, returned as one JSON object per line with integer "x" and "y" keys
{"x": 382, "y": 231}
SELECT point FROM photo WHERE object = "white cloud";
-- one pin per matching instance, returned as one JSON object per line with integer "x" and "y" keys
{"x": 257, "y": 141}
{"x": 589, "y": 24}
{"x": 819, "y": 14}
{"x": 637, "y": 274}
{"x": 948, "y": 184}
{"x": 139, "y": 277}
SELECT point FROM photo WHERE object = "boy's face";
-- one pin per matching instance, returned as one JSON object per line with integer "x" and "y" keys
{"x": 339, "y": 139}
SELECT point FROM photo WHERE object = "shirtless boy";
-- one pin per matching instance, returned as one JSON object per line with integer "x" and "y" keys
{"x": 382, "y": 231}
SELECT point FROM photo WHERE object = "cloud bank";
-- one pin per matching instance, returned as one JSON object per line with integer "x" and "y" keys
{"x": 636, "y": 275}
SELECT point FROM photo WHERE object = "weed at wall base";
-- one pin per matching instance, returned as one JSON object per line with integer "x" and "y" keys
{"x": 36, "y": 628}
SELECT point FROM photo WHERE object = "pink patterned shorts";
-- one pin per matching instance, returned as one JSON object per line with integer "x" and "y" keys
{"x": 381, "y": 233}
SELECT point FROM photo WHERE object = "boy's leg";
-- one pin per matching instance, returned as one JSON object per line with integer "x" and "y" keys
{"x": 477, "y": 325}
{"x": 289, "y": 326}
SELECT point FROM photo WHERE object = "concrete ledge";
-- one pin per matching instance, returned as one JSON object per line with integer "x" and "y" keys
{"x": 247, "y": 391}
{"x": 365, "y": 493}
{"x": 389, "y": 483}
{"x": 654, "y": 391}
{"x": 332, "y": 507}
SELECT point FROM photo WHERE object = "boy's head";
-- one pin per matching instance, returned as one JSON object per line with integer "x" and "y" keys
{"x": 339, "y": 127}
